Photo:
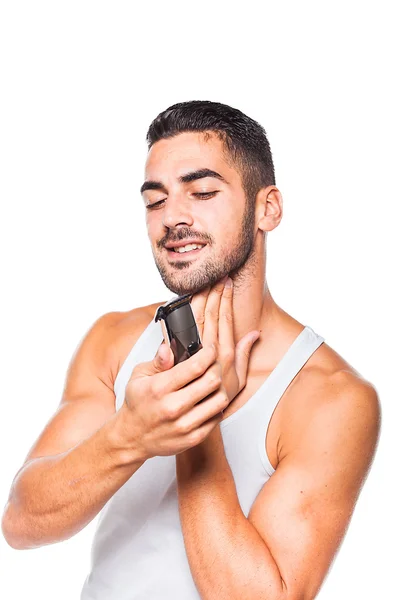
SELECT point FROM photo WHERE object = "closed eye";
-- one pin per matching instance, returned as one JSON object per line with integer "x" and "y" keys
{"x": 154, "y": 205}
{"x": 203, "y": 195}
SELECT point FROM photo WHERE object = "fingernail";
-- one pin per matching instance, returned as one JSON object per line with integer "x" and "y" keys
{"x": 228, "y": 283}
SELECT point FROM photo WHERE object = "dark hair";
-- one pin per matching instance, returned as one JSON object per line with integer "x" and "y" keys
{"x": 245, "y": 141}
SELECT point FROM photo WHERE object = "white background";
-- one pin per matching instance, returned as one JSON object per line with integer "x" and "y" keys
{"x": 81, "y": 82}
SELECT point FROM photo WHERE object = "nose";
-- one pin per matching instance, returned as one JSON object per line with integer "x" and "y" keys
{"x": 176, "y": 212}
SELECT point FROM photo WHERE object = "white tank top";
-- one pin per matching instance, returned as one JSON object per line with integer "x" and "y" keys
{"x": 138, "y": 550}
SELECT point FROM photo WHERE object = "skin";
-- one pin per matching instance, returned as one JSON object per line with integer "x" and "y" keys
{"x": 283, "y": 549}
{"x": 218, "y": 219}
{"x": 320, "y": 469}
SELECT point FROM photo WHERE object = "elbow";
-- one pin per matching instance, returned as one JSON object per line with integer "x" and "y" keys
{"x": 24, "y": 532}
{"x": 12, "y": 530}
{"x": 8, "y": 532}
{"x": 14, "y": 543}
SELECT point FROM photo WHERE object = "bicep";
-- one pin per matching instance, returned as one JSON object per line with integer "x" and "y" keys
{"x": 303, "y": 511}
{"x": 88, "y": 398}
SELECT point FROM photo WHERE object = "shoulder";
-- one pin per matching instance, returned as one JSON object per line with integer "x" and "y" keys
{"x": 115, "y": 333}
{"x": 331, "y": 399}
{"x": 330, "y": 431}
{"x": 111, "y": 336}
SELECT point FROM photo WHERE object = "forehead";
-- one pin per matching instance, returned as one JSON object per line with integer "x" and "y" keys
{"x": 187, "y": 151}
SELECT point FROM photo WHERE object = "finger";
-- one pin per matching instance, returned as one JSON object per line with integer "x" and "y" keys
{"x": 210, "y": 408}
{"x": 184, "y": 372}
{"x": 211, "y": 314}
{"x": 162, "y": 361}
{"x": 205, "y": 429}
{"x": 242, "y": 356}
{"x": 196, "y": 392}
{"x": 198, "y": 304}
{"x": 164, "y": 358}
{"x": 226, "y": 338}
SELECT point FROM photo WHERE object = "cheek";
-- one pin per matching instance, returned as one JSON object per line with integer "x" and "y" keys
{"x": 152, "y": 229}
{"x": 219, "y": 216}
{"x": 148, "y": 223}
{"x": 229, "y": 226}
{"x": 232, "y": 222}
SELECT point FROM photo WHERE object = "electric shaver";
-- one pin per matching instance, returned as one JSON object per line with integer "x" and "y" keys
{"x": 179, "y": 327}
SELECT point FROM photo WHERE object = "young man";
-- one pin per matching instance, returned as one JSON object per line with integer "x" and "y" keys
{"x": 249, "y": 493}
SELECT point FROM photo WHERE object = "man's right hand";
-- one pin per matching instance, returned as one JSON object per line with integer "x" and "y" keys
{"x": 162, "y": 414}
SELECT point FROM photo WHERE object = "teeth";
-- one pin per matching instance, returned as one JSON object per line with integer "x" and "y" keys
{"x": 188, "y": 248}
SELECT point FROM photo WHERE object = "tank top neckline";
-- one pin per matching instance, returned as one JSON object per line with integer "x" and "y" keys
{"x": 268, "y": 381}
{"x": 151, "y": 327}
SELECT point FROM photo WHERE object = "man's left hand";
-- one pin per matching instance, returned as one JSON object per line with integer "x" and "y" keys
{"x": 213, "y": 311}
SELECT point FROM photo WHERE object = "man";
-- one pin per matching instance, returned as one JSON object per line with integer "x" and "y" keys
{"x": 248, "y": 493}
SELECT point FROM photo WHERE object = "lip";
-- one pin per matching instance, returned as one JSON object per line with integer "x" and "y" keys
{"x": 181, "y": 243}
{"x": 184, "y": 255}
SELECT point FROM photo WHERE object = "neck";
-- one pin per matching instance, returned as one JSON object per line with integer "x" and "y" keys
{"x": 254, "y": 308}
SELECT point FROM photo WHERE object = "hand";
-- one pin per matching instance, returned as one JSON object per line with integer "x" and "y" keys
{"x": 162, "y": 413}
{"x": 213, "y": 311}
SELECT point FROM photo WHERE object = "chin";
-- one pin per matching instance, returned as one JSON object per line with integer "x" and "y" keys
{"x": 182, "y": 289}
{"x": 191, "y": 285}
{"x": 188, "y": 283}
{"x": 187, "y": 278}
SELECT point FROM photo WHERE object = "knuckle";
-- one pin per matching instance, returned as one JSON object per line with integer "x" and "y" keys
{"x": 222, "y": 399}
{"x": 183, "y": 427}
{"x": 226, "y": 401}
{"x": 197, "y": 366}
{"x": 195, "y": 437}
{"x": 154, "y": 391}
{"x": 214, "y": 378}
{"x": 170, "y": 412}
{"x": 202, "y": 361}
{"x": 136, "y": 388}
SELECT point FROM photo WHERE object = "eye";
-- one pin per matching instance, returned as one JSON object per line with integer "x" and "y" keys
{"x": 205, "y": 194}
{"x": 154, "y": 205}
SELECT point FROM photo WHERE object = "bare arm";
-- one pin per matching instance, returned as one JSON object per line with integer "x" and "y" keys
{"x": 283, "y": 549}
{"x": 77, "y": 463}
{"x": 54, "y": 497}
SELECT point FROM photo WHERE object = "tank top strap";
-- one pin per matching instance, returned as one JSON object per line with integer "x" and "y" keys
{"x": 292, "y": 362}
{"x": 143, "y": 350}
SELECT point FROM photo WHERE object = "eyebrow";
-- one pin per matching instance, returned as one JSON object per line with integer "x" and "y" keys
{"x": 187, "y": 178}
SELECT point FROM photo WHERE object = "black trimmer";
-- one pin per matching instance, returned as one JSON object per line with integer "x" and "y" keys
{"x": 179, "y": 327}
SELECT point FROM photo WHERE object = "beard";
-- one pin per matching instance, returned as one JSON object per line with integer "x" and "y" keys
{"x": 236, "y": 260}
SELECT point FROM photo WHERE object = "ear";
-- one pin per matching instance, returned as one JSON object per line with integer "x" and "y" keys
{"x": 269, "y": 208}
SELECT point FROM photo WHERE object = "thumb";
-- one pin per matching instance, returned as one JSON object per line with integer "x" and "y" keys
{"x": 164, "y": 358}
{"x": 243, "y": 351}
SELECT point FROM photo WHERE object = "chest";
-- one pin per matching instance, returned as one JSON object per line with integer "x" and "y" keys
{"x": 276, "y": 424}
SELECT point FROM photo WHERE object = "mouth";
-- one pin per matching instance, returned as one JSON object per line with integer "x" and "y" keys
{"x": 186, "y": 255}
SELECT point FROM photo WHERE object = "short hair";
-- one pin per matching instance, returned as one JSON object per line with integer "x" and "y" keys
{"x": 244, "y": 140}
